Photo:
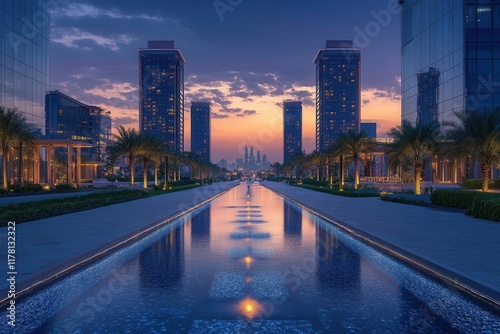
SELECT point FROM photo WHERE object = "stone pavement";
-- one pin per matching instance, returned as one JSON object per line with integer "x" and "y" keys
{"x": 45, "y": 247}
{"x": 458, "y": 247}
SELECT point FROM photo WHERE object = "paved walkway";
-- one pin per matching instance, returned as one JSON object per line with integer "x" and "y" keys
{"x": 45, "y": 247}
{"x": 462, "y": 248}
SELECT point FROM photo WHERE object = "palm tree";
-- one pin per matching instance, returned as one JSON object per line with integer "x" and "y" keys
{"x": 414, "y": 145}
{"x": 276, "y": 167}
{"x": 127, "y": 142}
{"x": 478, "y": 135}
{"x": 151, "y": 146}
{"x": 191, "y": 159}
{"x": 314, "y": 158}
{"x": 352, "y": 145}
{"x": 14, "y": 131}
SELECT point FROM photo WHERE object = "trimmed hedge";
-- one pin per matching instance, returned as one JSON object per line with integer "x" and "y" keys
{"x": 477, "y": 204}
{"x": 478, "y": 184}
{"x": 345, "y": 193}
{"x": 485, "y": 206}
{"x": 27, "y": 188}
{"x": 65, "y": 187}
{"x": 29, "y": 211}
{"x": 315, "y": 183}
{"x": 402, "y": 199}
{"x": 453, "y": 198}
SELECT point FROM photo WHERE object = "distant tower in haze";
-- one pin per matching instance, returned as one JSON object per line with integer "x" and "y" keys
{"x": 200, "y": 129}
{"x": 292, "y": 117}
{"x": 338, "y": 91}
{"x": 161, "y": 93}
{"x": 246, "y": 155}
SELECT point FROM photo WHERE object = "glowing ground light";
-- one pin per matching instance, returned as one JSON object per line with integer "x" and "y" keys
{"x": 248, "y": 261}
{"x": 249, "y": 308}
{"x": 248, "y": 280}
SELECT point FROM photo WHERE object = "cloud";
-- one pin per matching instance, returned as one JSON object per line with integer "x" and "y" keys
{"x": 73, "y": 38}
{"x": 76, "y": 10}
{"x": 216, "y": 115}
{"x": 113, "y": 90}
{"x": 388, "y": 93}
{"x": 246, "y": 113}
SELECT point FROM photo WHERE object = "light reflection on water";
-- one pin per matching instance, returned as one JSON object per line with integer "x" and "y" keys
{"x": 252, "y": 262}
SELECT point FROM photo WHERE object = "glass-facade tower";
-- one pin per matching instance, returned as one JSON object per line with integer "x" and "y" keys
{"x": 200, "y": 129}
{"x": 161, "y": 92}
{"x": 24, "y": 57}
{"x": 450, "y": 58}
{"x": 292, "y": 129}
{"x": 338, "y": 91}
{"x": 70, "y": 119}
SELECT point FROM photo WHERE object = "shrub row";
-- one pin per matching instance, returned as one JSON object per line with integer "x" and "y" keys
{"x": 345, "y": 192}
{"x": 478, "y": 184}
{"x": 477, "y": 204}
{"x": 315, "y": 183}
{"x": 453, "y": 198}
{"x": 28, "y": 211}
{"x": 403, "y": 200}
{"x": 485, "y": 206}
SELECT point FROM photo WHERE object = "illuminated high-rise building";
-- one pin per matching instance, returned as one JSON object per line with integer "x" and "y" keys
{"x": 161, "y": 92}
{"x": 338, "y": 91}
{"x": 292, "y": 137}
{"x": 24, "y": 58}
{"x": 200, "y": 129}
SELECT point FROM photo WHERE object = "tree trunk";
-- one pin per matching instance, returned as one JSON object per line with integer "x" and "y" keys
{"x": 5, "y": 157}
{"x": 317, "y": 171}
{"x": 156, "y": 174}
{"x": 485, "y": 170}
{"x": 145, "y": 174}
{"x": 327, "y": 169}
{"x": 341, "y": 167}
{"x": 131, "y": 168}
{"x": 418, "y": 172}
{"x": 167, "y": 172}
{"x": 356, "y": 173}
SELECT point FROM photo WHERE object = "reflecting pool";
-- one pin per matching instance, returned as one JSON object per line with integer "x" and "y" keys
{"x": 250, "y": 262}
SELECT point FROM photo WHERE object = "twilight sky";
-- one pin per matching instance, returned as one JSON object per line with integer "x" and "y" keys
{"x": 246, "y": 57}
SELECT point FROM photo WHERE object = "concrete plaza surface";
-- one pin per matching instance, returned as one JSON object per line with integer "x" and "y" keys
{"x": 45, "y": 247}
{"x": 451, "y": 244}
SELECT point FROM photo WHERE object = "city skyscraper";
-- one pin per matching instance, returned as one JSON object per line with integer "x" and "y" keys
{"x": 200, "y": 129}
{"x": 450, "y": 63}
{"x": 70, "y": 119}
{"x": 450, "y": 58}
{"x": 24, "y": 58}
{"x": 338, "y": 91}
{"x": 161, "y": 92}
{"x": 292, "y": 138}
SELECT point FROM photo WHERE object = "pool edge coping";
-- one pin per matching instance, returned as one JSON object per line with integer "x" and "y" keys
{"x": 54, "y": 273}
{"x": 465, "y": 284}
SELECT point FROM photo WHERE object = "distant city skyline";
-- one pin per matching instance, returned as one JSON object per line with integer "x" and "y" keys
{"x": 245, "y": 67}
